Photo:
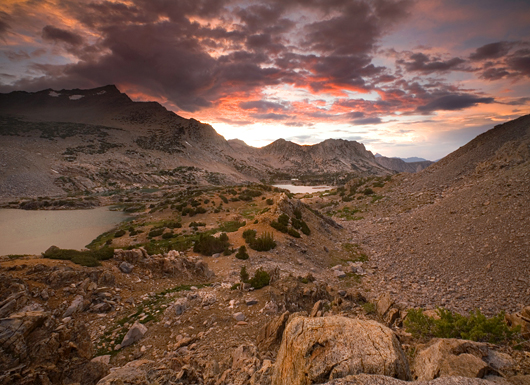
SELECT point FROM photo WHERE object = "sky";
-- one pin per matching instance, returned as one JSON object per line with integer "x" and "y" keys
{"x": 404, "y": 77}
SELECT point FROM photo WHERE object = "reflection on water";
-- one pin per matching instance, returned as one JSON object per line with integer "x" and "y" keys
{"x": 32, "y": 232}
{"x": 303, "y": 189}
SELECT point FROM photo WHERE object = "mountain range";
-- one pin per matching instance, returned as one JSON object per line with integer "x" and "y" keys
{"x": 95, "y": 140}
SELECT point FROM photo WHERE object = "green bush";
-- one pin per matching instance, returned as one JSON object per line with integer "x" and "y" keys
{"x": 173, "y": 225}
{"x": 269, "y": 201}
{"x": 155, "y": 233}
{"x": 197, "y": 224}
{"x": 283, "y": 219}
{"x": 293, "y": 233}
{"x": 265, "y": 242}
{"x": 249, "y": 235}
{"x": 261, "y": 279}
{"x": 243, "y": 274}
{"x": 119, "y": 233}
{"x": 297, "y": 214}
{"x": 242, "y": 253}
{"x": 368, "y": 191}
{"x": 279, "y": 226}
{"x": 88, "y": 258}
{"x": 208, "y": 244}
{"x": 296, "y": 223}
{"x": 305, "y": 228}
{"x": 475, "y": 326}
{"x": 223, "y": 198}
{"x": 168, "y": 235}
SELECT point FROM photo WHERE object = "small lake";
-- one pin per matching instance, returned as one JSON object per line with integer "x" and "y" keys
{"x": 33, "y": 231}
{"x": 303, "y": 189}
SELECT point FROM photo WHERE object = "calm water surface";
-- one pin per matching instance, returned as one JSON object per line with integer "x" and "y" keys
{"x": 32, "y": 232}
{"x": 303, "y": 189}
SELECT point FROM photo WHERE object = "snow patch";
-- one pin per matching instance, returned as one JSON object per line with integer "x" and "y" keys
{"x": 54, "y": 94}
{"x": 76, "y": 97}
{"x": 101, "y": 92}
{"x": 188, "y": 143}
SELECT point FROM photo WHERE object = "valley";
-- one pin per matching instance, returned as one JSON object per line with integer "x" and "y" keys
{"x": 221, "y": 278}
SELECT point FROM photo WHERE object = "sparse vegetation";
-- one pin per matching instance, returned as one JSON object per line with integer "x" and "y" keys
{"x": 209, "y": 245}
{"x": 89, "y": 258}
{"x": 264, "y": 242}
{"x": 476, "y": 326}
{"x": 231, "y": 226}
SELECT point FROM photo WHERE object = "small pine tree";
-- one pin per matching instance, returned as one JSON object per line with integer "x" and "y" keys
{"x": 243, "y": 274}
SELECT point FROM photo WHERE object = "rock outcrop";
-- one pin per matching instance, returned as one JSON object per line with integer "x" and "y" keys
{"x": 314, "y": 350}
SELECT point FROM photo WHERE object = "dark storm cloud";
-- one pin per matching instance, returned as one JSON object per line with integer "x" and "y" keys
{"x": 52, "y": 33}
{"x": 520, "y": 62}
{"x": 453, "y": 102}
{"x": 261, "y": 106}
{"x": 4, "y": 25}
{"x": 374, "y": 120}
{"x": 491, "y": 51}
{"x": 270, "y": 116}
{"x": 419, "y": 62}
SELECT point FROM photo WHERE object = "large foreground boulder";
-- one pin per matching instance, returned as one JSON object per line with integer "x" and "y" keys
{"x": 316, "y": 350}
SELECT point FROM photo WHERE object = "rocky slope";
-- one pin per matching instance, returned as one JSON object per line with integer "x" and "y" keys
{"x": 72, "y": 141}
{"x": 457, "y": 233}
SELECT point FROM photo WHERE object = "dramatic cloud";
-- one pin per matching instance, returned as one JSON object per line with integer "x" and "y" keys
{"x": 492, "y": 51}
{"x": 453, "y": 102}
{"x": 422, "y": 63}
{"x": 252, "y": 66}
{"x": 60, "y": 35}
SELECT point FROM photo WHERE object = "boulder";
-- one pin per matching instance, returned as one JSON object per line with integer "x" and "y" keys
{"x": 270, "y": 335}
{"x": 383, "y": 304}
{"x": 76, "y": 306}
{"x": 450, "y": 357}
{"x": 131, "y": 373}
{"x": 366, "y": 379}
{"x": 135, "y": 333}
{"x": 126, "y": 267}
{"x": 315, "y": 350}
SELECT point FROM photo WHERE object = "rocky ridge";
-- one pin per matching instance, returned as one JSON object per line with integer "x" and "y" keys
{"x": 74, "y": 141}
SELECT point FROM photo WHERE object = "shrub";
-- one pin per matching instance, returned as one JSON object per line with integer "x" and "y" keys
{"x": 269, "y": 201}
{"x": 265, "y": 242}
{"x": 208, "y": 244}
{"x": 296, "y": 223}
{"x": 173, "y": 225}
{"x": 249, "y": 235}
{"x": 155, "y": 232}
{"x": 293, "y": 233}
{"x": 475, "y": 326}
{"x": 369, "y": 308}
{"x": 197, "y": 224}
{"x": 279, "y": 226}
{"x": 89, "y": 258}
{"x": 305, "y": 228}
{"x": 119, "y": 233}
{"x": 200, "y": 210}
{"x": 243, "y": 274}
{"x": 261, "y": 279}
{"x": 223, "y": 198}
{"x": 168, "y": 235}
{"x": 368, "y": 191}
{"x": 242, "y": 253}
{"x": 297, "y": 214}
{"x": 283, "y": 219}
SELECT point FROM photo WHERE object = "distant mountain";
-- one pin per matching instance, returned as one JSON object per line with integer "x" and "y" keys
{"x": 412, "y": 159}
{"x": 69, "y": 141}
{"x": 399, "y": 165}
